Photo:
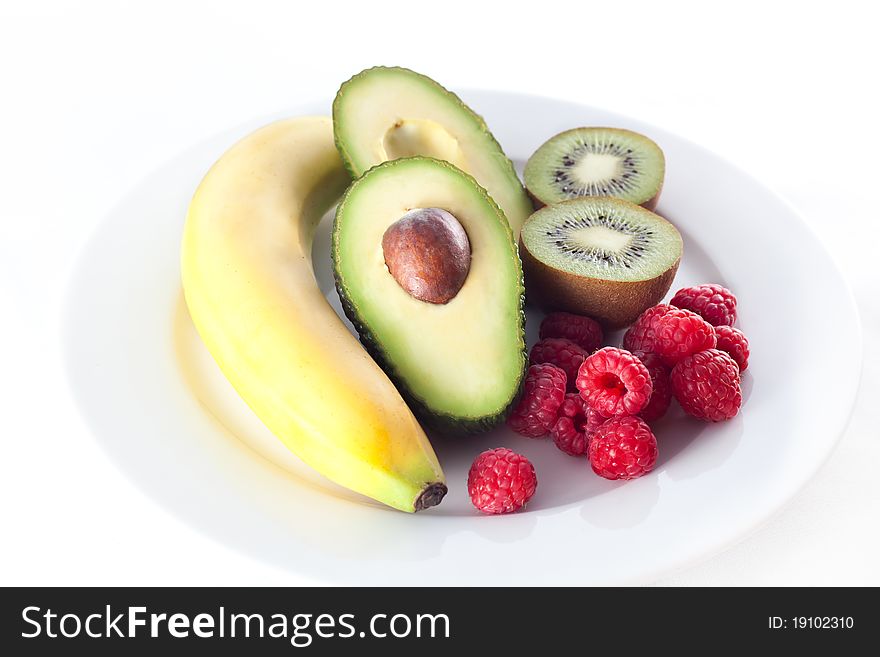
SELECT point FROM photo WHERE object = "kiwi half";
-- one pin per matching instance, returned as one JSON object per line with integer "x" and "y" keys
{"x": 596, "y": 162}
{"x": 599, "y": 256}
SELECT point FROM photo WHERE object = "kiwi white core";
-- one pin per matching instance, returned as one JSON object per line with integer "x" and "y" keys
{"x": 597, "y": 167}
{"x": 602, "y": 237}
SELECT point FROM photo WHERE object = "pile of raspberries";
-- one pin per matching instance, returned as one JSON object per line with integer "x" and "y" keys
{"x": 598, "y": 402}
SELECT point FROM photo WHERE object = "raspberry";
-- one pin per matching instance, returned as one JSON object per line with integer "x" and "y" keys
{"x": 706, "y": 385}
{"x": 679, "y": 333}
{"x": 640, "y": 336}
{"x": 575, "y": 426}
{"x": 623, "y": 447}
{"x": 585, "y": 332}
{"x": 661, "y": 388}
{"x": 562, "y": 353}
{"x": 714, "y": 303}
{"x": 501, "y": 481}
{"x": 614, "y": 382}
{"x": 734, "y": 342}
{"x": 543, "y": 392}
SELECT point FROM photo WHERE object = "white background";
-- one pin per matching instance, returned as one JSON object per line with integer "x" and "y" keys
{"x": 96, "y": 95}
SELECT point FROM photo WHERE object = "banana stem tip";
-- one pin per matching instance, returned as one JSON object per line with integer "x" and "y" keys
{"x": 430, "y": 496}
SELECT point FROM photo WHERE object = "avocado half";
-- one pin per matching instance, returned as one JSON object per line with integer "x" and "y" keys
{"x": 459, "y": 364}
{"x": 385, "y": 113}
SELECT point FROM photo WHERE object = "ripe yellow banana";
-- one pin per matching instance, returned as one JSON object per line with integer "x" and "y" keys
{"x": 249, "y": 285}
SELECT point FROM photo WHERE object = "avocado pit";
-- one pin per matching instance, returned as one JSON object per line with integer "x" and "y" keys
{"x": 428, "y": 253}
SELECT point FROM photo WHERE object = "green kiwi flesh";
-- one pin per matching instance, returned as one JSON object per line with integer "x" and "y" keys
{"x": 596, "y": 162}
{"x": 599, "y": 256}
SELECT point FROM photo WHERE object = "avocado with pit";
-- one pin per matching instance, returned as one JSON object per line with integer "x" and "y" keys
{"x": 385, "y": 113}
{"x": 428, "y": 272}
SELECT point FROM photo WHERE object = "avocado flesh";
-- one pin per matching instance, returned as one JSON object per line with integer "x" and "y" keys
{"x": 386, "y": 113}
{"x": 459, "y": 364}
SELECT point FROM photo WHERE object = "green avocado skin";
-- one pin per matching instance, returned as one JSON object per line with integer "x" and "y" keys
{"x": 441, "y": 423}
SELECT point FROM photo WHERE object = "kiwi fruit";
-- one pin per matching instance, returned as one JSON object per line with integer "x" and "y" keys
{"x": 599, "y": 256}
{"x": 596, "y": 162}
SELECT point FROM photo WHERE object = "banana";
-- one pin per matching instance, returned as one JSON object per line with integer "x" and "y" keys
{"x": 249, "y": 285}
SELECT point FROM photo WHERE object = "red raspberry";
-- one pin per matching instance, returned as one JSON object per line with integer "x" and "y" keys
{"x": 661, "y": 388}
{"x": 562, "y": 353}
{"x": 623, "y": 447}
{"x": 501, "y": 481}
{"x": 543, "y": 392}
{"x": 585, "y": 332}
{"x": 640, "y": 336}
{"x": 706, "y": 385}
{"x": 614, "y": 382}
{"x": 575, "y": 426}
{"x": 734, "y": 342}
{"x": 679, "y": 333}
{"x": 714, "y": 303}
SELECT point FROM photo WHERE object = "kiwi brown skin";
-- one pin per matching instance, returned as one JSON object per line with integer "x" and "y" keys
{"x": 651, "y": 203}
{"x": 615, "y": 304}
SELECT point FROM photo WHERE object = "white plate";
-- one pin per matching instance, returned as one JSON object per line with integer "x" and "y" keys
{"x": 160, "y": 408}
